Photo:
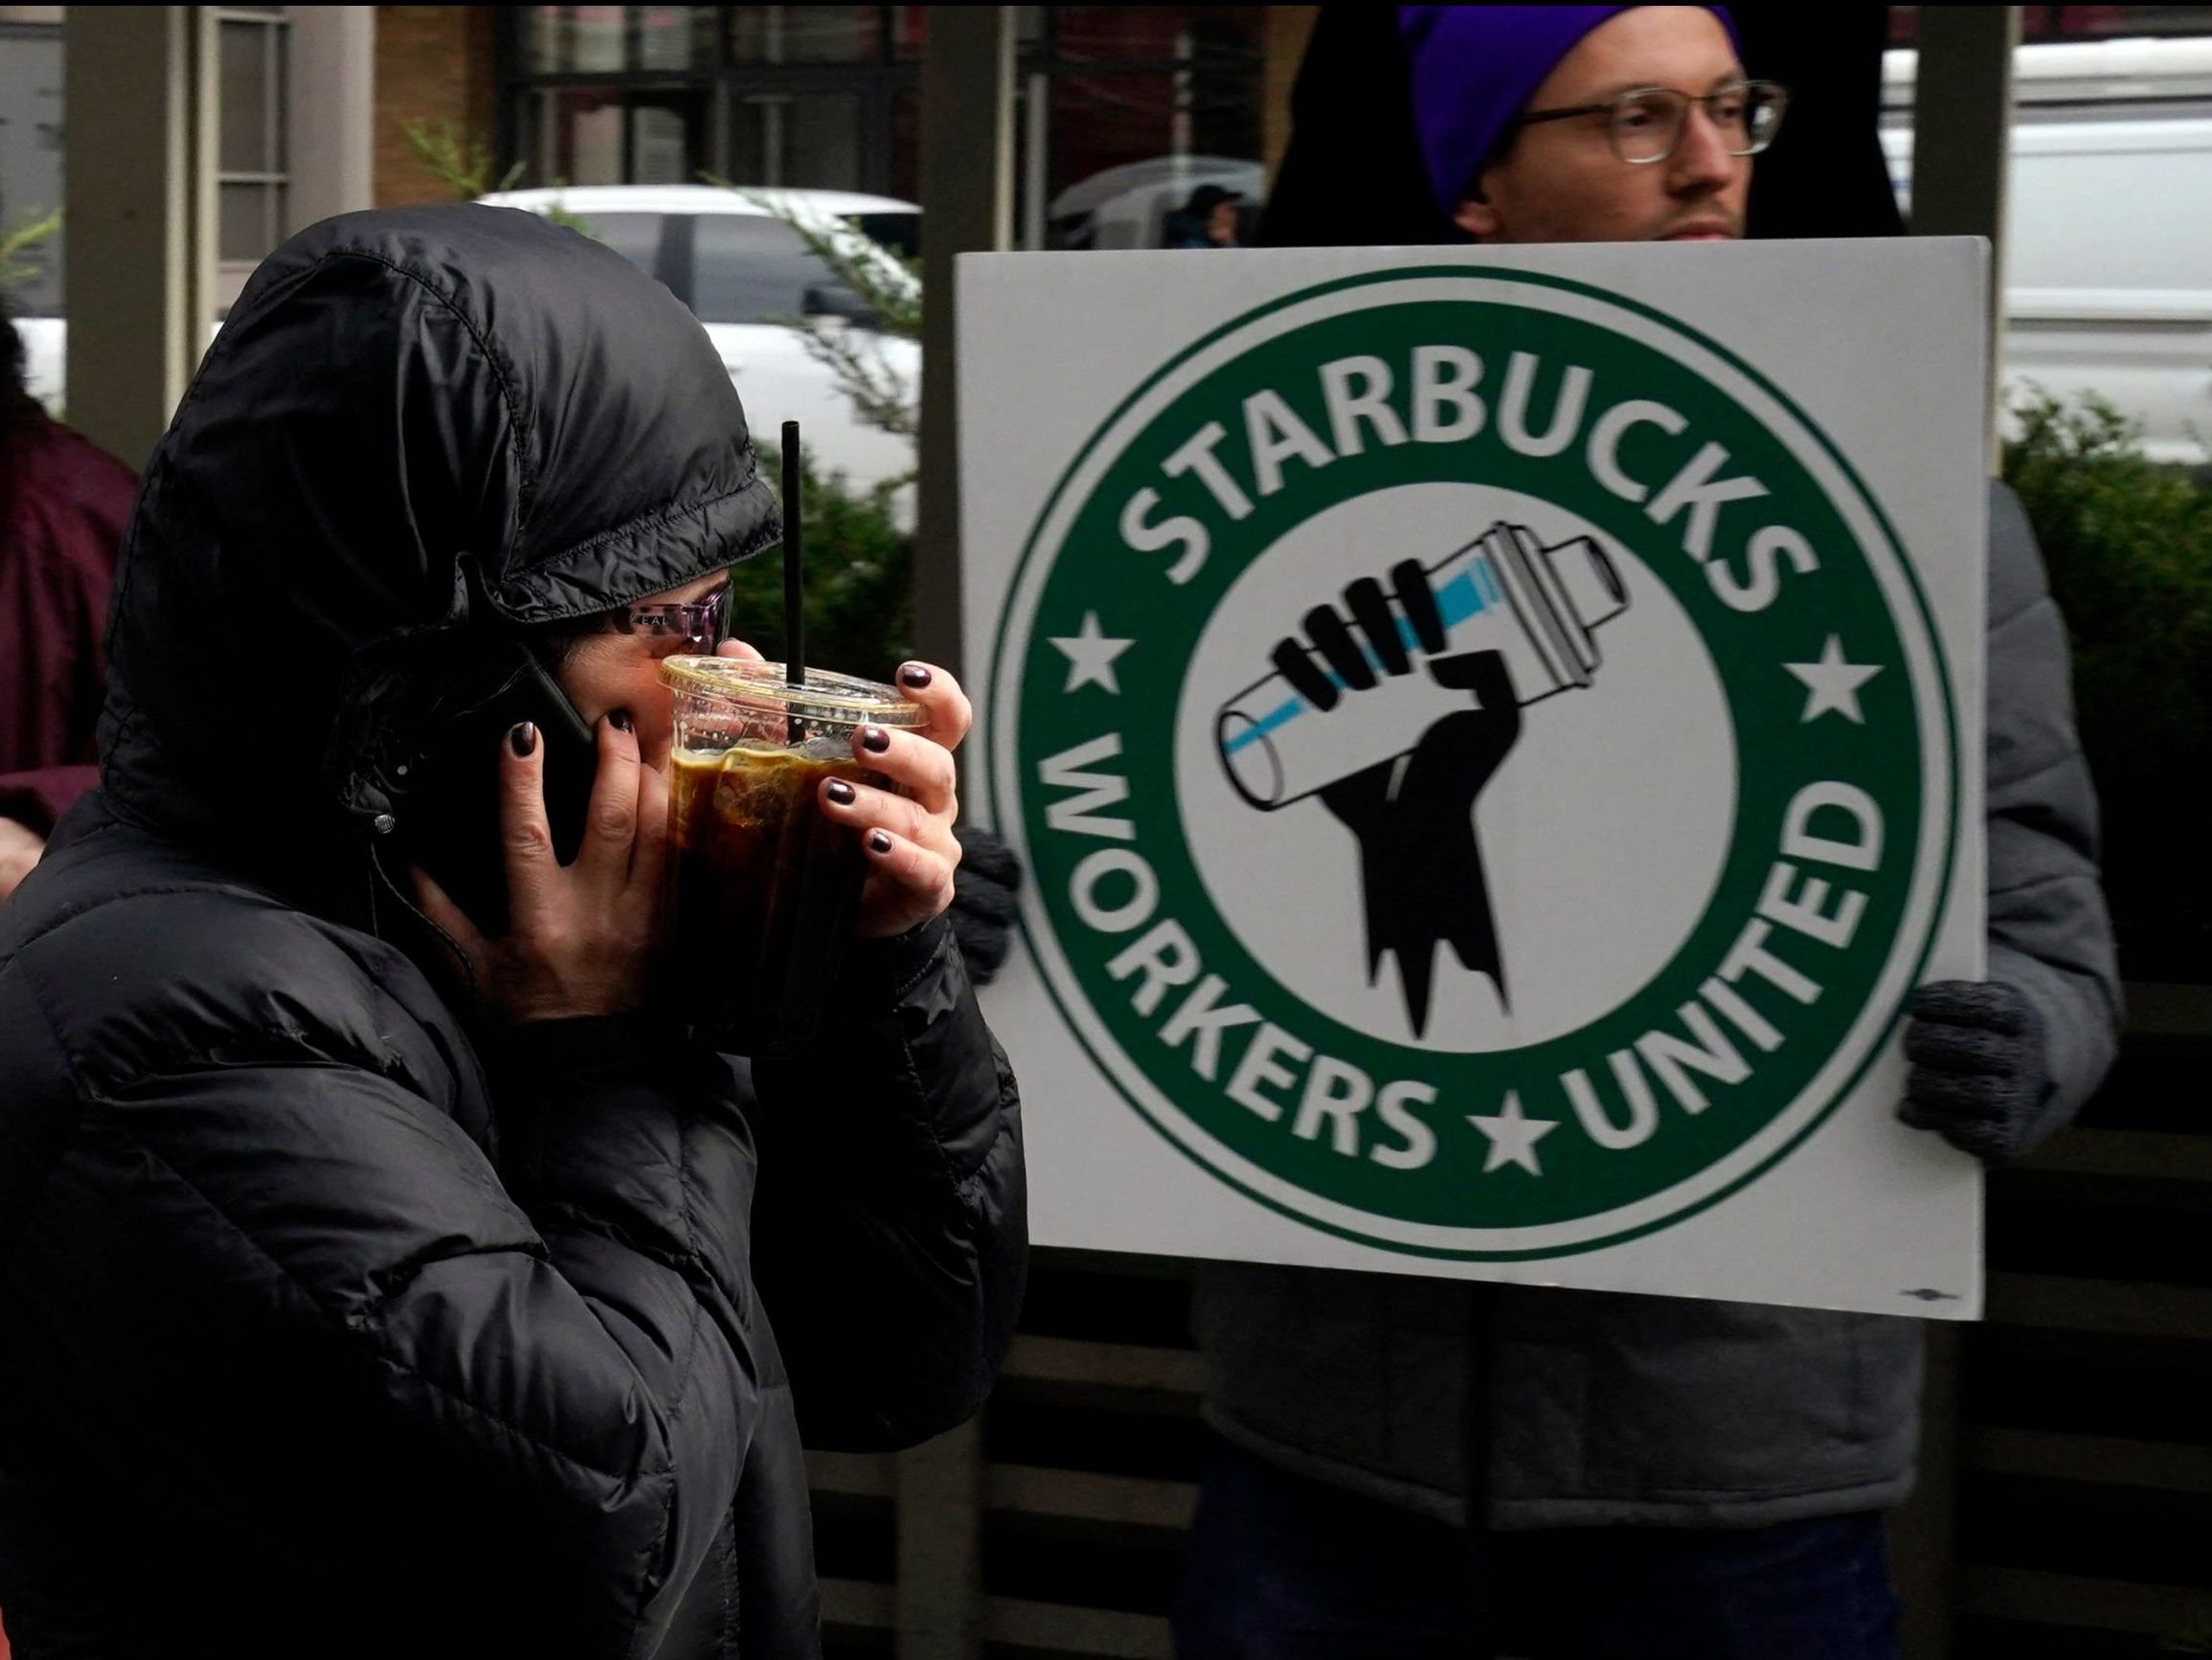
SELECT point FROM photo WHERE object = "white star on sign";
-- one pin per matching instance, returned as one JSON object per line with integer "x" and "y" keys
{"x": 1833, "y": 683}
{"x": 1513, "y": 1135}
{"x": 1090, "y": 653}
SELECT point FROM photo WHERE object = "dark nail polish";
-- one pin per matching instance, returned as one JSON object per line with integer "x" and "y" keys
{"x": 522, "y": 738}
{"x": 914, "y": 675}
{"x": 841, "y": 792}
{"x": 879, "y": 843}
{"x": 875, "y": 740}
{"x": 620, "y": 720}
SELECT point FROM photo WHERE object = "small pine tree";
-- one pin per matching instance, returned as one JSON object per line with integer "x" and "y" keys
{"x": 889, "y": 286}
{"x": 2128, "y": 543}
{"x": 463, "y": 167}
{"x": 22, "y": 250}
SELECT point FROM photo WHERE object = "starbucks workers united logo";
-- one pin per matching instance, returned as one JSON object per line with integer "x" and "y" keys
{"x": 1488, "y": 770}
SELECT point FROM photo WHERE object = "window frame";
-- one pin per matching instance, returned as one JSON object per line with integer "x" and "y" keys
{"x": 875, "y": 81}
{"x": 273, "y": 185}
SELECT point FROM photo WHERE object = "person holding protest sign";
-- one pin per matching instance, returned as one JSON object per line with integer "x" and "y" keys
{"x": 1396, "y": 1461}
{"x": 377, "y": 1279}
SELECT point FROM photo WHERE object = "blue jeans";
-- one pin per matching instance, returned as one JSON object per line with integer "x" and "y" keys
{"x": 1279, "y": 1567}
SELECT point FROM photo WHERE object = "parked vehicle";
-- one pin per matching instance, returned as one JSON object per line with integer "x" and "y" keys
{"x": 2108, "y": 247}
{"x": 45, "y": 348}
{"x": 747, "y": 274}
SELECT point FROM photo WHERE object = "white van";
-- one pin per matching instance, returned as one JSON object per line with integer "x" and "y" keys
{"x": 2108, "y": 257}
{"x": 747, "y": 275}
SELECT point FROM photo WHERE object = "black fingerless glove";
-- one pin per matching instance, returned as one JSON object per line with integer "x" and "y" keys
{"x": 1980, "y": 1076}
{"x": 984, "y": 901}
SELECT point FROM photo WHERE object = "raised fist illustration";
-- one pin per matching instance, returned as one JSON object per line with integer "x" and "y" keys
{"x": 1421, "y": 867}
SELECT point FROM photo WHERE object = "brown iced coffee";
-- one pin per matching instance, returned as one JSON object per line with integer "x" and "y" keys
{"x": 764, "y": 885}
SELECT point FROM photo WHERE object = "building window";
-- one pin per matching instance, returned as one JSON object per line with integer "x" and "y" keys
{"x": 1123, "y": 112}
{"x": 798, "y": 138}
{"x": 251, "y": 168}
{"x": 30, "y": 166}
{"x": 2041, "y": 24}
{"x": 618, "y": 135}
{"x": 619, "y": 40}
{"x": 1138, "y": 107}
{"x": 805, "y": 33}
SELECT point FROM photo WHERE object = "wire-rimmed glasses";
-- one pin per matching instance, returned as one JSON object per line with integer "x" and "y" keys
{"x": 1645, "y": 124}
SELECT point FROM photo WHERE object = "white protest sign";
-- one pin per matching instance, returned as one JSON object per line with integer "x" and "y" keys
{"x": 1495, "y": 737}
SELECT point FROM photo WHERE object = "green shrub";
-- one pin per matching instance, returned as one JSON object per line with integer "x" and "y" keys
{"x": 859, "y": 581}
{"x": 2129, "y": 546}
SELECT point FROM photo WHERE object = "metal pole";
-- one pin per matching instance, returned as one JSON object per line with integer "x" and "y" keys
{"x": 967, "y": 193}
{"x": 1961, "y": 142}
{"x": 1962, "y": 108}
{"x": 967, "y": 190}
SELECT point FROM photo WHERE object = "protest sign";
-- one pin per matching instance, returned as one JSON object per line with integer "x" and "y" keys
{"x": 1495, "y": 736}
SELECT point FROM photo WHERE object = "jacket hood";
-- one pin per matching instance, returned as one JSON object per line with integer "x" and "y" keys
{"x": 417, "y": 431}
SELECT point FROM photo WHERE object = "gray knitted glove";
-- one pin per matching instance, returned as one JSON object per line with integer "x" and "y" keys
{"x": 1978, "y": 1074}
{"x": 984, "y": 902}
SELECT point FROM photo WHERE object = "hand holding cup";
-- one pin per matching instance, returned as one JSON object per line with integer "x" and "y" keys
{"x": 907, "y": 830}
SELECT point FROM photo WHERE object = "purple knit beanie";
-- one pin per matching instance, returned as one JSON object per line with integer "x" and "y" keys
{"x": 1476, "y": 67}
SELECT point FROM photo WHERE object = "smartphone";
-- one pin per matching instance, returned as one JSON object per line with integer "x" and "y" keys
{"x": 449, "y": 819}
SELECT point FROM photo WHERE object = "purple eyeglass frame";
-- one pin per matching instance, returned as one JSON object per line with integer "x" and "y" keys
{"x": 702, "y": 624}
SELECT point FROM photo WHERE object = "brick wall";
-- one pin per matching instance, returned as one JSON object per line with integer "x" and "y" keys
{"x": 434, "y": 62}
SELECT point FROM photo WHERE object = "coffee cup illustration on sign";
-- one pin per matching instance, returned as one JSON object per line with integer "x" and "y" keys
{"x": 1398, "y": 706}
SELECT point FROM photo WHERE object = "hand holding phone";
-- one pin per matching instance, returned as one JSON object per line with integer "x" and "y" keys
{"x": 580, "y": 936}
{"x": 450, "y": 821}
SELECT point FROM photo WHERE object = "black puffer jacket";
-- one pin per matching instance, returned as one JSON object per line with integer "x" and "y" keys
{"x": 329, "y": 1325}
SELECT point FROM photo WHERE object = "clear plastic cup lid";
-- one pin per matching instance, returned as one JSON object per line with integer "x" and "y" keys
{"x": 825, "y": 696}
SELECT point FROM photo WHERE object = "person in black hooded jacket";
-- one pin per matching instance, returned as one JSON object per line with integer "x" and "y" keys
{"x": 369, "y": 1286}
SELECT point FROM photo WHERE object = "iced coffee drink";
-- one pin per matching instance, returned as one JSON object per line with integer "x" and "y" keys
{"x": 764, "y": 885}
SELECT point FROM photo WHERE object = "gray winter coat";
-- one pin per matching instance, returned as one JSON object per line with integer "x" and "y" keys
{"x": 1585, "y": 1408}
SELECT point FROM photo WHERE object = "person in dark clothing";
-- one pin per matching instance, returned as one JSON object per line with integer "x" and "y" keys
{"x": 1207, "y": 220}
{"x": 1353, "y": 176}
{"x": 63, "y": 502}
{"x": 372, "y": 1287}
{"x": 1401, "y": 1466}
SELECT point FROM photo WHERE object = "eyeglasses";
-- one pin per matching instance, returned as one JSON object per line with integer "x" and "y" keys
{"x": 690, "y": 626}
{"x": 1645, "y": 124}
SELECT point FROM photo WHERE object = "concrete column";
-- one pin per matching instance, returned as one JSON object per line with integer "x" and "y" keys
{"x": 330, "y": 137}
{"x": 967, "y": 193}
{"x": 940, "y": 1522}
{"x": 1962, "y": 108}
{"x": 140, "y": 92}
{"x": 1289, "y": 28}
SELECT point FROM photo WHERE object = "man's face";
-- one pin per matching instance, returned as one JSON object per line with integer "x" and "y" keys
{"x": 1561, "y": 182}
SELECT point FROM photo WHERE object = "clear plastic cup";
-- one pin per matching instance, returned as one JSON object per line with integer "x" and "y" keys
{"x": 763, "y": 885}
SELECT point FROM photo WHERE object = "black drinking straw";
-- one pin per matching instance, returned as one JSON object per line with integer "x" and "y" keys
{"x": 794, "y": 565}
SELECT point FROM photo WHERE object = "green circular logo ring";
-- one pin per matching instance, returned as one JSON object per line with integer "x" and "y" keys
{"x": 1626, "y": 445}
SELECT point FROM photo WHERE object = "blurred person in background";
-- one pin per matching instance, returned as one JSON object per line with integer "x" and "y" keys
{"x": 63, "y": 502}
{"x": 1207, "y": 220}
{"x": 1398, "y": 1461}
